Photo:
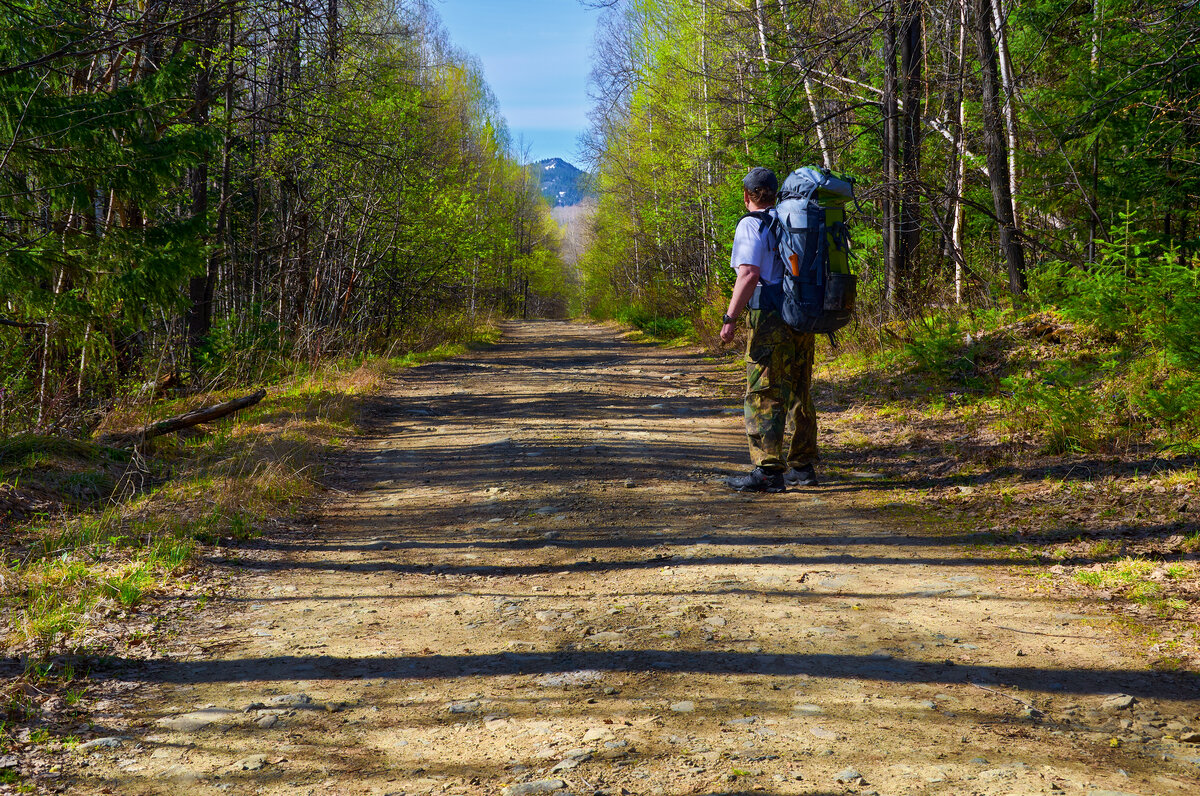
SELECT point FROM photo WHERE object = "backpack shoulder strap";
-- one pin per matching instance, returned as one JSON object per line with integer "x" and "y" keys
{"x": 763, "y": 216}
{"x": 767, "y": 221}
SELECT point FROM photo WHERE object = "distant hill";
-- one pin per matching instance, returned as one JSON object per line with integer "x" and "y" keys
{"x": 563, "y": 185}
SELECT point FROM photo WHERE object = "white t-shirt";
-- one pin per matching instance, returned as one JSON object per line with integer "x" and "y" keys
{"x": 751, "y": 247}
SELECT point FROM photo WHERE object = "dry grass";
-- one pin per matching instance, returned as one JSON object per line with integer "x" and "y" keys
{"x": 107, "y": 533}
{"x": 101, "y": 547}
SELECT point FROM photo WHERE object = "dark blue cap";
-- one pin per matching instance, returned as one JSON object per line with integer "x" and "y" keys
{"x": 760, "y": 177}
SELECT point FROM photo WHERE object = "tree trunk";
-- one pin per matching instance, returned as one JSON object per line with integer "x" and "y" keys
{"x": 205, "y": 414}
{"x": 997, "y": 156}
{"x": 911, "y": 59}
{"x": 818, "y": 124}
{"x": 760, "y": 17}
{"x": 1094, "y": 199}
{"x": 960, "y": 160}
{"x": 1008, "y": 83}
{"x": 706, "y": 202}
{"x": 893, "y": 275}
{"x": 332, "y": 31}
{"x": 200, "y": 288}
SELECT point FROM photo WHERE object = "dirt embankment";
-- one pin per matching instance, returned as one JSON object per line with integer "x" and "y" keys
{"x": 529, "y": 575}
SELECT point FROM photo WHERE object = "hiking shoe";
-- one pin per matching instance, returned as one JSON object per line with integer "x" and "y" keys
{"x": 800, "y": 476}
{"x": 759, "y": 480}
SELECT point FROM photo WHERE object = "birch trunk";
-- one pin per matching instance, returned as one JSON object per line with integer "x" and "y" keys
{"x": 960, "y": 160}
{"x": 993, "y": 124}
{"x": 760, "y": 17}
{"x": 706, "y": 206}
{"x": 892, "y": 273}
{"x": 818, "y": 124}
{"x": 1008, "y": 82}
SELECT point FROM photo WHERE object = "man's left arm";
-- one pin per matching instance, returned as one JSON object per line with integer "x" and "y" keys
{"x": 743, "y": 289}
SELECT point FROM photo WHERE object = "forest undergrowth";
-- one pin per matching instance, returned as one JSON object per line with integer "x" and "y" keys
{"x": 1023, "y": 434}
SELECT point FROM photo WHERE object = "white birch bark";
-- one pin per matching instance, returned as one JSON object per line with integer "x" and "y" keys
{"x": 818, "y": 124}
{"x": 760, "y": 16}
{"x": 1008, "y": 85}
{"x": 706, "y": 209}
{"x": 956, "y": 228}
{"x": 87, "y": 333}
{"x": 828, "y": 80}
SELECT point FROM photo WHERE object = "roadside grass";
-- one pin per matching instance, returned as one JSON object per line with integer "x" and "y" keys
{"x": 101, "y": 553}
{"x": 102, "y": 547}
{"x": 651, "y": 327}
{"x": 479, "y": 339}
{"x": 1050, "y": 439}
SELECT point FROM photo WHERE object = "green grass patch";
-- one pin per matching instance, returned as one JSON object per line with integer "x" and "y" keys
{"x": 1126, "y": 572}
{"x": 445, "y": 351}
{"x": 657, "y": 327}
{"x": 1139, "y": 580}
{"x": 1106, "y": 360}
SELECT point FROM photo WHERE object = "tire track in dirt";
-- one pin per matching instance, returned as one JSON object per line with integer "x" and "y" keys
{"x": 530, "y": 573}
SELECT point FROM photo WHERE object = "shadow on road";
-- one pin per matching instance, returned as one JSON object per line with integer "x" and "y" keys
{"x": 828, "y": 666}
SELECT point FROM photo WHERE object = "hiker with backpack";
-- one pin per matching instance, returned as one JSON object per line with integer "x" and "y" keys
{"x": 793, "y": 281}
{"x": 778, "y": 359}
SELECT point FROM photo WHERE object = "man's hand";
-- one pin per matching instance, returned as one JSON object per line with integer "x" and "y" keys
{"x": 727, "y": 333}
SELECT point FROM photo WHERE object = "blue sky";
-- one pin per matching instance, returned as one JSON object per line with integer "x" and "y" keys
{"x": 536, "y": 55}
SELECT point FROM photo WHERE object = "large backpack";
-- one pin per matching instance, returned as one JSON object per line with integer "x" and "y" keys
{"x": 814, "y": 243}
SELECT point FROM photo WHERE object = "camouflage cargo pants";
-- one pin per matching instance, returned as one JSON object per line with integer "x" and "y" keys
{"x": 779, "y": 364}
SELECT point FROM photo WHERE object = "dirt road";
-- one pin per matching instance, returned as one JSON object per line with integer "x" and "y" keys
{"x": 529, "y": 574}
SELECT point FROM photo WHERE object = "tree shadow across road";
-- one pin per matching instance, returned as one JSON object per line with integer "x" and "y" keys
{"x": 1138, "y": 683}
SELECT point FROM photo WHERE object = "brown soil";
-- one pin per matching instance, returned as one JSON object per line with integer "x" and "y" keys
{"x": 529, "y": 570}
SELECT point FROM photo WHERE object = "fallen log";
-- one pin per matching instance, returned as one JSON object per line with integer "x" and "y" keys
{"x": 204, "y": 414}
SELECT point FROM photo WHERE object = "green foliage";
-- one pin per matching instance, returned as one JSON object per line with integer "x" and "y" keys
{"x": 370, "y": 201}
{"x": 656, "y": 243}
{"x": 24, "y": 450}
{"x": 1175, "y": 403}
{"x": 244, "y": 348}
{"x": 1144, "y": 300}
{"x": 937, "y": 345}
{"x": 1136, "y": 292}
{"x": 655, "y": 325}
{"x": 1059, "y": 406}
{"x": 128, "y": 587}
{"x": 1131, "y": 577}
{"x": 95, "y": 243}
{"x": 1115, "y": 109}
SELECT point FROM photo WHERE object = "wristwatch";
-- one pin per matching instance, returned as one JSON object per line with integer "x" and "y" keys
{"x": 726, "y": 319}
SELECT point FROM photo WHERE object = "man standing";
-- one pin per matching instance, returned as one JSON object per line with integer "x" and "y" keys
{"x": 779, "y": 360}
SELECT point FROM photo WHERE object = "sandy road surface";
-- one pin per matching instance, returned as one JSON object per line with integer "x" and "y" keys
{"x": 531, "y": 574}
